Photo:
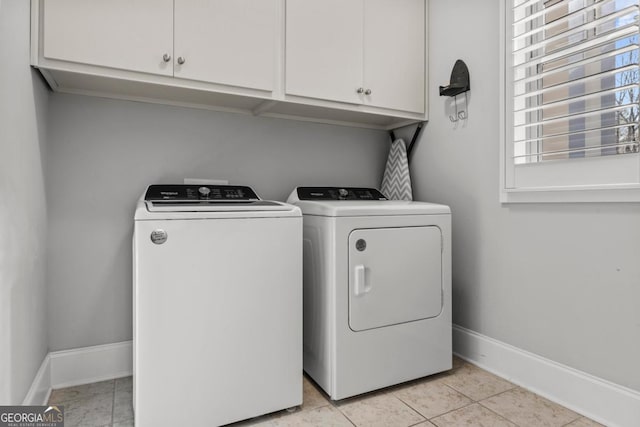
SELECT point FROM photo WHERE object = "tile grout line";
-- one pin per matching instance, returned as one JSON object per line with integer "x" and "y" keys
{"x": 448, "y": 412}
{"x": 400, "y": 399}
{"x": 343, "y": 414}
{"x": 408, "y": 406}
{"x": 579, "y": 417}
{"x": 506, "y": 391}
{"x": 524, "y": 389}
{"x": 346, "y": 416}
{"x": 458, "y": 391}
{"x": 392, "y": 396}
{"x": 314, "y": 408}
{"x": 473, "y": 401}
{"x": 479, "y": 402}
{"x": 443, "y": 379}
{"x": 439, "y": 415}
{"x": 499, "y": 415}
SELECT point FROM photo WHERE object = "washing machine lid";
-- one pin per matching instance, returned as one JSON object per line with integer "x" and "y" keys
{"x": 172, "y": 201}
{"x": 357, "y": 201}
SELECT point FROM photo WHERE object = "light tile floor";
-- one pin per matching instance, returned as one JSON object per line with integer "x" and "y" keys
{"x": 465, "y": 396}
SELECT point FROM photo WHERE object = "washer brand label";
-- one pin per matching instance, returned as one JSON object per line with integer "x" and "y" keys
{"x": 158, "y": 236}
{"x": 169, "y": 193}
{"x": 31, "y": 416}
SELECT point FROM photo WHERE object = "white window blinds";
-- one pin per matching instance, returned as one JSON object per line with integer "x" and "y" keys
{"x": 575, "y": 79}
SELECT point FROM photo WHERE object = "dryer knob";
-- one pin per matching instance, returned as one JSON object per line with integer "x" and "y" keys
{"x": 204, "y": 192}
{"x": 343, "y": 193}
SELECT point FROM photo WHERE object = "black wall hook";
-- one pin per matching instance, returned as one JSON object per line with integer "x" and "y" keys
{"x": 459, "y": 81}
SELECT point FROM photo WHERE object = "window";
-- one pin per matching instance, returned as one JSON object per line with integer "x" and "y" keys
{"x": 571, "y": 101}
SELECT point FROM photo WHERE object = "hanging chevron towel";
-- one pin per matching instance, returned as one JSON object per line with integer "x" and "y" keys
{"x": 396, "y": 182}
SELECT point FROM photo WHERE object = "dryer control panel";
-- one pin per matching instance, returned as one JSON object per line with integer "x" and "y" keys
{"x": 194, "y": 193}
{"x": 339, "y": 193}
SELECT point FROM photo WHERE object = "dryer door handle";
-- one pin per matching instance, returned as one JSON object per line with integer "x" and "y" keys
{"x": 361, "y": 285}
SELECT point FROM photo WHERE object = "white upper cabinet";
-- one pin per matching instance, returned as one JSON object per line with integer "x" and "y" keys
{"x": 232, "y": 42}
{"x": 228, "y": 42}
{"x": 394, "y": 59}
{"x": 324, "y": 49}
{"x": 369, "y": 52}
{"x": 352, "y": 62}
{"x": 124, "y": 34}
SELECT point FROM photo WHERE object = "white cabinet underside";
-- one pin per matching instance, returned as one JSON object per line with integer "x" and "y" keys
{"x": 160, "y": 90}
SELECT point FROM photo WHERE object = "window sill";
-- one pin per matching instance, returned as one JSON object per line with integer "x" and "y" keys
{"x": 575, "y": 194}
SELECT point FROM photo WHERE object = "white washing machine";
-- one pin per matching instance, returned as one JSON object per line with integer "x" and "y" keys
{"x": 377, "y": 289}
{"x": 217, "y": 306}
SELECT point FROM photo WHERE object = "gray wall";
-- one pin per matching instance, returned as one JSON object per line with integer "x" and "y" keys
{"x": 23, "y": 104}
{"x": 102, "y": 154}
{"x": 559, "y": 280}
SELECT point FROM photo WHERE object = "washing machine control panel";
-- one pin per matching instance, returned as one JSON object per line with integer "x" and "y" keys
{"x": 339, "y": 193}
{"x": 192, "y": 193}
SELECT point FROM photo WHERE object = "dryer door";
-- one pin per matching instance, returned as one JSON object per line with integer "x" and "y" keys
{"x": 395, "y": 276}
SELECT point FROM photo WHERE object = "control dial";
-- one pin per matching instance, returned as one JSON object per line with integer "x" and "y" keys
{"x": 204, "y": 192}
{"x": 343, "y": 193}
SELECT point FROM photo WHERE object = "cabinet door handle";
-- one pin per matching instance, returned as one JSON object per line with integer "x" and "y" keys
{"x": 181, "y": 60}
{"x": 166, "y": 57}
{"x": 367, "y": 92}
{"x": 360, "y": 90}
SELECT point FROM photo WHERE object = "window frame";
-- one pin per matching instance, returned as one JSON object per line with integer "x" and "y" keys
{"x": 573, "y": 193}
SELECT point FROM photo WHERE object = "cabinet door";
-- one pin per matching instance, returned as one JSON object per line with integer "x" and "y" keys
{"x": 324, "y": 49}
{"x": 394, "y": 58}
{"x": 231, "y": 42}
{"x": 126, "y": 34}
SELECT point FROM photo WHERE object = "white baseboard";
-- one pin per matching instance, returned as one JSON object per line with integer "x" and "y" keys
{"x": 593, "y": 397}
{"x": 91, "y": 364}
{"x": 40, "y": 389}
{"x": 85, "y": 365}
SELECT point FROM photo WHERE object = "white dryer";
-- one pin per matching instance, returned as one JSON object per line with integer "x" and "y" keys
{"x": 217, "y": 306}
{"x": 377, "y": 289}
